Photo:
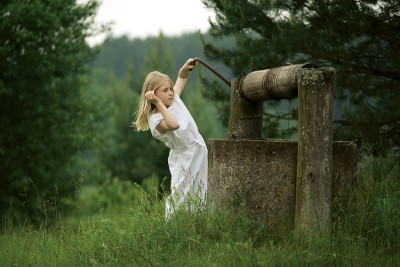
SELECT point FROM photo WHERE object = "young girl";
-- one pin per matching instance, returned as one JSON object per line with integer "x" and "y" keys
{"x": 162, "y": 111}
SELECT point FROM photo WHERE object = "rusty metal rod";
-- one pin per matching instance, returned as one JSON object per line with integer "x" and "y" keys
{"x": 213, "y": 70}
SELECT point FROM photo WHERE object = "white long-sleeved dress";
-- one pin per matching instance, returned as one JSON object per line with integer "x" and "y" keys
{"x": 187, "y": 159}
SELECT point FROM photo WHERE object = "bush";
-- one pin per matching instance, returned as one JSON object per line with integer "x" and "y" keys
{"x": 113, "y": 197}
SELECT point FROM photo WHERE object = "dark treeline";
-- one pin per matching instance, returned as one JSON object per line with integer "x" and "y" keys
{"x": 117, "y": 54}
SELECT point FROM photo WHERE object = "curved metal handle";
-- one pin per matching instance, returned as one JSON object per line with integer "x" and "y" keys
{"x": 213, "y": 70}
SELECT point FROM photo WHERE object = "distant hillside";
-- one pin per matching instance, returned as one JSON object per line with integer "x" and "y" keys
{"x": 118, "y": 53}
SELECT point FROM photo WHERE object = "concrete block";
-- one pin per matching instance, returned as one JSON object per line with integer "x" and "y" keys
{"x": 260, "y": 175}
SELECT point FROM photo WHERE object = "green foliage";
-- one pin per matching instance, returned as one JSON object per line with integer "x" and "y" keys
{"x": 354, "y": 37}
{"x": 112, "y": 198}
{"x": 204, "y": 114}
{"x": 47, "y": 117}
{"x": 365, "y": 232}
{"x": 218, "y": 95}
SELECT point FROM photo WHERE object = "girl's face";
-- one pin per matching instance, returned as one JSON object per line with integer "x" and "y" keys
{"x": 165, "y": 93}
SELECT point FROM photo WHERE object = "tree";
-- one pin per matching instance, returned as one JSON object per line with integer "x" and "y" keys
{"x": 357, "y": 38}
{"x": 47, "y": 117}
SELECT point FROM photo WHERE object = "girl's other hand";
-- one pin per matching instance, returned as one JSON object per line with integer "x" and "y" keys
{"x": 150, "y": 96}
{"x": 188, "y": 66}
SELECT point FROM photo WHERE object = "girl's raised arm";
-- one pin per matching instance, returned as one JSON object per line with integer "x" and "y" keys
{"x": 169, "y": 123}
{"x": 183, "y": 75}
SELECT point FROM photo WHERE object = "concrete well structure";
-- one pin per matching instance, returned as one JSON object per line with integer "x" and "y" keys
{"x": 260, "y": 175}
{"x": 282, "y": 181}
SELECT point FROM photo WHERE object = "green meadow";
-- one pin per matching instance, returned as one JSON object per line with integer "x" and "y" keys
{"x": 120, "y": 223}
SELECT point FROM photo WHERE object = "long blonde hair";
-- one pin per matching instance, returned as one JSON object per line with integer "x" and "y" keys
{"x": 151, "y": 83}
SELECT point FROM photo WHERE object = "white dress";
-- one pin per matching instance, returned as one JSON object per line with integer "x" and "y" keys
{"x": 187, "y": 161}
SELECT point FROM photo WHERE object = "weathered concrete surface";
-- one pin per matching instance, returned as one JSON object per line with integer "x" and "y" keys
{"x": 314, "y": 161}
{"x": 260, "y": 175}
{"x": 245, "y": 118}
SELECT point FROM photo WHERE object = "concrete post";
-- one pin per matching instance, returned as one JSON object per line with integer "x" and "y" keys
{"x": 245, "y": 118}
{"x": 314, "y": 162}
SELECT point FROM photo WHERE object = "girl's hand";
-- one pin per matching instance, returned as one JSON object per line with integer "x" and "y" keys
{"x": 150, "y": 96}
{"x": 188, "y": 66}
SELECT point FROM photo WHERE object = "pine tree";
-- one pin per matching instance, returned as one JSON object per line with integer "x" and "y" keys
{"x": 358, "y": 38}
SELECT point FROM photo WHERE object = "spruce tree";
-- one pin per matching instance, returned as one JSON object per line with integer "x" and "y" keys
{"x": 358, "y": 38}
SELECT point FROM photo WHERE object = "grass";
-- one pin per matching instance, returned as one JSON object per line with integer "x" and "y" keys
{"x": 365, "y": 232}
{"x": 213, "y": 239}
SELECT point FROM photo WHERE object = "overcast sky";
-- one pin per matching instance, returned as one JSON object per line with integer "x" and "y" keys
{"x": 141, "y": 18}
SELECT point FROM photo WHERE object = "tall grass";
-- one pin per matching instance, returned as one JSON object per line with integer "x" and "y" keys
{"x": 365, "y": 232}
{"x": 372, "y": 216}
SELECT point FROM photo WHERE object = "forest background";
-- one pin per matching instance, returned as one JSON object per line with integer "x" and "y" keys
{"x": 69, "y": 152}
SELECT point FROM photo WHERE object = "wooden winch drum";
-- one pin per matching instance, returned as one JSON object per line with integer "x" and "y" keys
{"x": 276, "y": 83}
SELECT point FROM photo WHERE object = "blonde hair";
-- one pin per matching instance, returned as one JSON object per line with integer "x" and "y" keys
{"x": 151, "y": 83}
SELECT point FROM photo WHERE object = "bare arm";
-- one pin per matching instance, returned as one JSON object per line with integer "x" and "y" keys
{"x": 169, "y": 123}
{"x": 183, "y": 75}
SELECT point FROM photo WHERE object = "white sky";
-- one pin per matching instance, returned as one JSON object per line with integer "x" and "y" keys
{"x": 141, "y": 18}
